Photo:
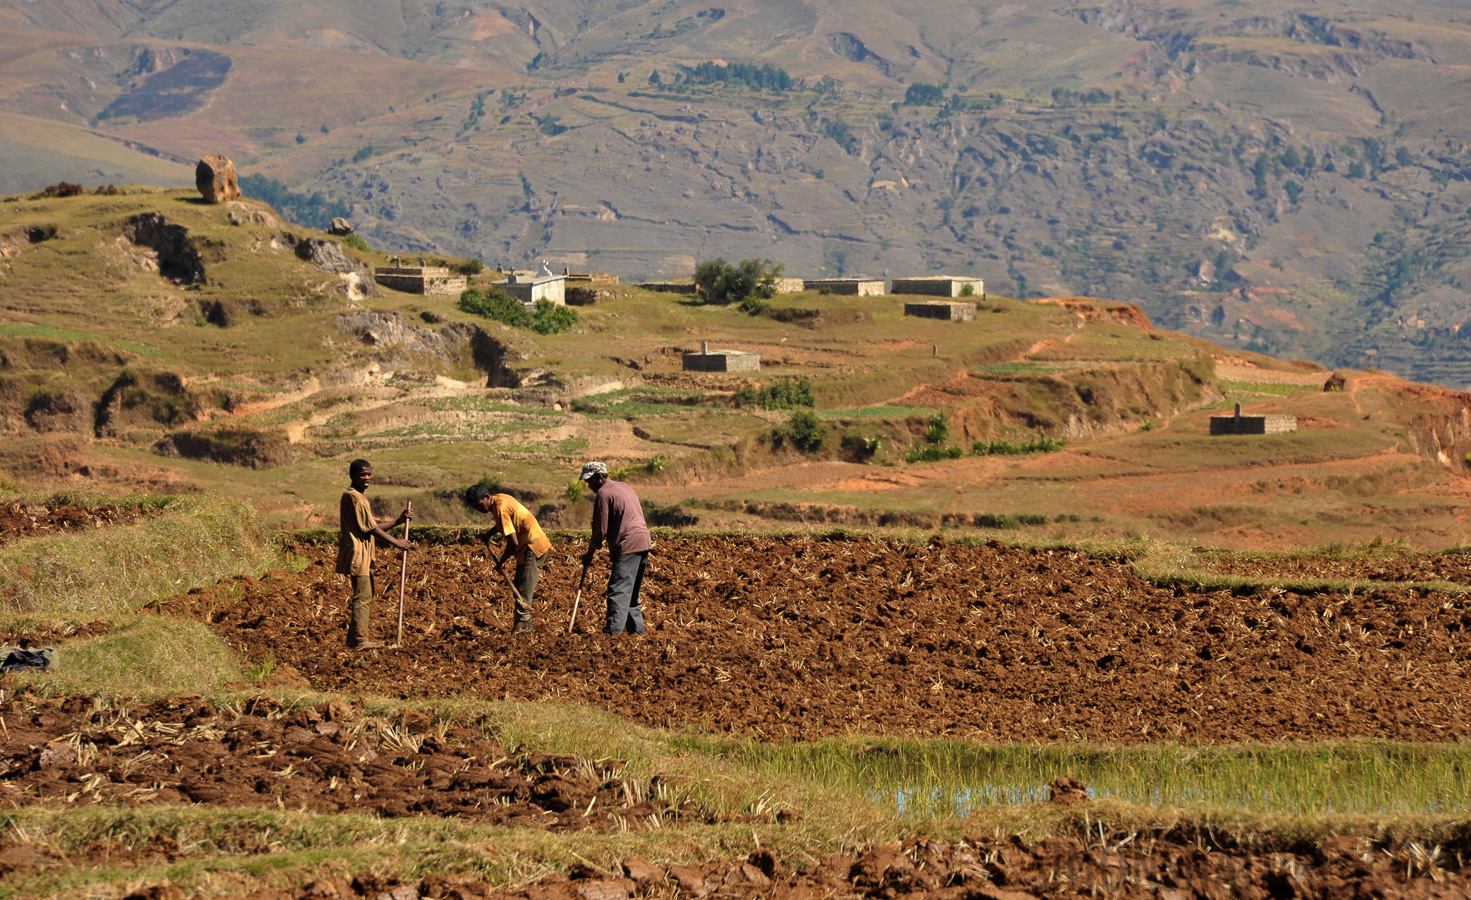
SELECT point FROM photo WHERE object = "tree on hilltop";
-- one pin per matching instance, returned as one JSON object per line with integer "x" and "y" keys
{"x": 721, "y": 282}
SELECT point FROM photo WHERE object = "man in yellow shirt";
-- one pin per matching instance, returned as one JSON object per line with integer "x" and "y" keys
{"x": 355, "y": 551}
{"x": 524, "y": 540}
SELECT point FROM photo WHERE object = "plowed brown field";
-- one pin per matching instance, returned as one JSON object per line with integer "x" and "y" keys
{"x": 804, "y": 637}
{"x": 21, "y": 520}
{"x": 924, "y": 869}
{"x": 328, "y": 758}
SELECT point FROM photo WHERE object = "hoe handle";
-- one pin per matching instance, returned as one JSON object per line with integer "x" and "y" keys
{"x": 576, "y": 600}
{"x": 403, "y": 578}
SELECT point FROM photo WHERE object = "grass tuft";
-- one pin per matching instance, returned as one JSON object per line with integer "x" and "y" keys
{"x": 118, "y": 570}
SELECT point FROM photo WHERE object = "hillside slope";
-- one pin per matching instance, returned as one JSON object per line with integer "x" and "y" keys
{"x": 1286, "y": 180}
{"x": 152, "y": 341}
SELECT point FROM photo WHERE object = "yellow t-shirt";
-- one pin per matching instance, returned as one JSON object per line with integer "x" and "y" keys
{"x": 513, "y": 518}
{"x": 355, "y": 542}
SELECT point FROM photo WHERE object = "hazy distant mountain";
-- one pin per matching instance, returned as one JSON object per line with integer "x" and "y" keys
{"x": 1285, "y": 177}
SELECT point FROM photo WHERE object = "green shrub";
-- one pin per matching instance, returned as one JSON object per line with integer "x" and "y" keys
{"x": 785, "y": 394}
{"x": 938, "y": 430}
{"x": 754, "y": 306}
{"x": 1040, "y": 444}
{"x": 804, "y": 430}
{"x": 496, "y": 305}
{"x": 651, "y": 466}
{"x": 550, "y": 318}
{"x": 575, "y": 489}
{"x": 471, "y": 267}
{"x": 921, "y": 94}
{"x": 932, "y": 453}
{"x": 356, "y": 242}
{"x": 719, "y": 282}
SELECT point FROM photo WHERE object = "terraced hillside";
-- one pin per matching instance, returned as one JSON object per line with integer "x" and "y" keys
{"x": 1287, "y": 180}
{"x": 151, "y": 341}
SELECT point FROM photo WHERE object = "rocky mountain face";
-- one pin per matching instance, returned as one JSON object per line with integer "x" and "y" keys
{"x": 1289, "y": 179}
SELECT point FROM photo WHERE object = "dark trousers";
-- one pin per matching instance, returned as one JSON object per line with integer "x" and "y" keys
{"x": 624, "y": 582}
{"x": 528, "y": 573}
{"x": 362, "y": 609}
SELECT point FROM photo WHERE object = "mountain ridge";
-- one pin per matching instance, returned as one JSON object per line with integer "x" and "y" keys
{"x": 1291, "y": 181}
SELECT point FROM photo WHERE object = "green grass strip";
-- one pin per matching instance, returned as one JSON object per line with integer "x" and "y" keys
{"x": 59, "y": 334}
{"x": 929, "y": 780}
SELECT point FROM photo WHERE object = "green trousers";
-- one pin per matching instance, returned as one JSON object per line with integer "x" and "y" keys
{"x": 528, "y": 573}
{"x": 362, "y": 609}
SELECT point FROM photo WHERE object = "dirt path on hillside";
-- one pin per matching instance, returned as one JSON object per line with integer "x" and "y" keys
{"x": 880, "y": 637}
{"x": 1249, "y": 374}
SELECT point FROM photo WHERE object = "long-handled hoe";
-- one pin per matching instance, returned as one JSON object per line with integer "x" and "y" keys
{"x": 403, "y": 578}
{"x": 578, "y": 599}
{"x": 515, "y": 593}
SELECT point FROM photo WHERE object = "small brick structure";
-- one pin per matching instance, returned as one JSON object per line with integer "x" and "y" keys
{"x": 940, "y": 309}
{"x": 433, "y": 280}
{"x": 940, "y": 286}
{"x": 589, "y": 279}
{"x": 790, "y": 285}
{"x": 1239, "y": 424}
{"x": 858, "y": 287}
{"x": 531, "y": 287}
{"x": 683, "y": 288}
{"x": 707, "y": 360}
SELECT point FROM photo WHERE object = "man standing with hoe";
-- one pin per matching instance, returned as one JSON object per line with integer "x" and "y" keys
{"x": 355, "y": 551}
{"x": 524, "y": 540}
{"x": 618, "y": 518}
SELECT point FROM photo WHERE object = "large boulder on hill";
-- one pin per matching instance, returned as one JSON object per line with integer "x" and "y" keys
{"x": 340, "y": 227}
{"x": 215, "y": 178}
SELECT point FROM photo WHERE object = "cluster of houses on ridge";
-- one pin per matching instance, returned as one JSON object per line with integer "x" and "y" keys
{"x": 530, "y": 286}
{"x": 544, "y": 284}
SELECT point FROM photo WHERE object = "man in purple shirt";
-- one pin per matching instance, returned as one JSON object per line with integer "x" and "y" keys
{"x": 618, "y": 518}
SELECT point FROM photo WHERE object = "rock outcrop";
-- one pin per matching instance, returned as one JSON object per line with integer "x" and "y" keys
{"x": 169, "y": 246}
{"x": 215, "y": 178}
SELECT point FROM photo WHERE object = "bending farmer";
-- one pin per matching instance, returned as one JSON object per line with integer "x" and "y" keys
{"x": 618, "y": 518}
{"x": 355, "y": 551}
{"x": 524, "y": 540}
